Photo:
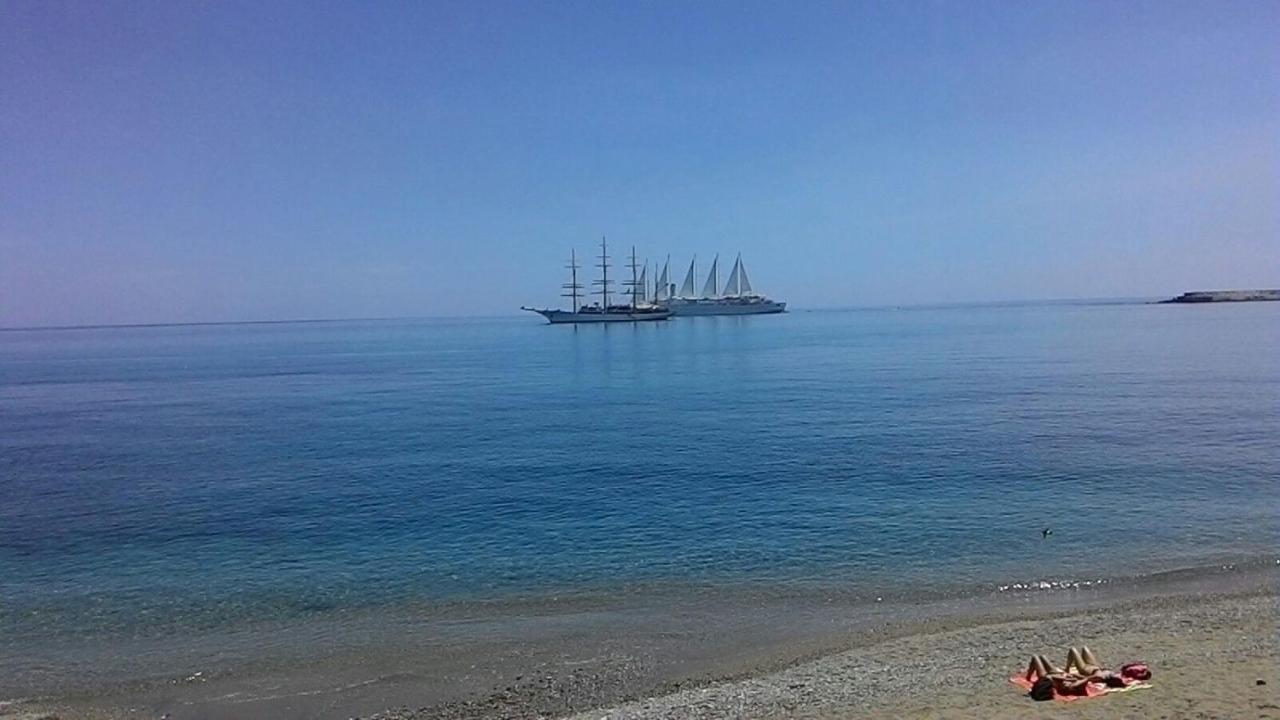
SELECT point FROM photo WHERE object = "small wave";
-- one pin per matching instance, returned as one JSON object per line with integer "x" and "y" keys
{"x": 233, "y": 699}
{"x": 1052, "y": 585}
{"x": 1163, "y": 575}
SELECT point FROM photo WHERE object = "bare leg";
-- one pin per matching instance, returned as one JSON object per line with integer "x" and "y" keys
{"x": 1076, "y": 662}
{"x": 1038, "y": 668}
{"x": 1083, "y": 661}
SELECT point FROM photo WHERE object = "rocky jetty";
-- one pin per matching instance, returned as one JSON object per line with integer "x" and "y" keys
{"x": 1215, "y": 296}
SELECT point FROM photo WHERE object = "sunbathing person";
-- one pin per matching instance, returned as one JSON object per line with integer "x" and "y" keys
{"x": 1083, "y": 668}
{"x": 1047, "y": 679}
{"x": 1084, "y": 662}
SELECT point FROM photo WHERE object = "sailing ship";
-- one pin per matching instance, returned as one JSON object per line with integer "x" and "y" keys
{"x": 735, "y": 298}
{"x": 638, "y": 310}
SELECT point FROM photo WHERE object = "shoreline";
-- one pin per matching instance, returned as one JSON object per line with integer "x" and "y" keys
{"x": 660, "y": 655}
{"x": 1211, "y": 657}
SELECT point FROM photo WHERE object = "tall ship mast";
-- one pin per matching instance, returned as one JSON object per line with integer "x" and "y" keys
{"x": 713, "y": 279}
{"x": 686, "y": 288}
{"x": 573, "y": 286}
{"x": 662, "y": 288}
{"x": 604, "y": 280}
{"x": 638, "y": 286}
{"x": 637, "y": 310}
{"x": 735, "y": 297}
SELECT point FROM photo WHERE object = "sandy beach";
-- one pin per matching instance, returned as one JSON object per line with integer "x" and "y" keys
{"x": 1213, "y": 657}
{"x": 1208, "y": 652}
{"x": 1208, "y": 656}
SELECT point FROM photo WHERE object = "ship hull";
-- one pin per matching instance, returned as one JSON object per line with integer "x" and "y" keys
{"x": 686, "y": 308}
{"x": 564, "y": 317}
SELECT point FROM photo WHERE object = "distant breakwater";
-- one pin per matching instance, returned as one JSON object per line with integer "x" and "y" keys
{"x": 1218, "y": 296}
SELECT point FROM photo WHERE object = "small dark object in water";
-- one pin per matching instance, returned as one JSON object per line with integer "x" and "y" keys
{"x": 1046, "y": 533}
{"x": 1262, "y": 682}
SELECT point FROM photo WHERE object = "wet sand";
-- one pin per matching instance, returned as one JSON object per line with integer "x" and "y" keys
{"x": 1208, "y": 637}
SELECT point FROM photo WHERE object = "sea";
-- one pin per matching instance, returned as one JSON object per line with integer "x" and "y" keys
{"x": 188, "y": 497}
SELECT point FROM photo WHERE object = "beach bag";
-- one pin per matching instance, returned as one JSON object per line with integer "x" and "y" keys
{"x": 1135, "y": 672}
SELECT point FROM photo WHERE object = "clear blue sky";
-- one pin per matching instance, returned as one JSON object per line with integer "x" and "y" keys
{"x": 181, "y": 161}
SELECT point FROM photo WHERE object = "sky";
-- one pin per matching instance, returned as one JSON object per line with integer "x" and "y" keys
{"x": 223, "y": 161}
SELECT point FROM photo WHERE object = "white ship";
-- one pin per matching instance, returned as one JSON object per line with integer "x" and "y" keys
{"x": 638, "y": 310}
{"x": 735, "y": 298}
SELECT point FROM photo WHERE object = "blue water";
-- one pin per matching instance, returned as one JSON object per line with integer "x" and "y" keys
{"x": 202, "y": 476}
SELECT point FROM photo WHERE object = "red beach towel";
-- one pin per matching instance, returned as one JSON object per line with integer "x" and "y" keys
{"x": 1090, "y": 689}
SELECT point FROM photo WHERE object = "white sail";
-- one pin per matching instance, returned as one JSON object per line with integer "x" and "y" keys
{"x": 743, "y": 283}
{"x": 733, "y": 287}
{"x": 713, "y": 279}
{"x": 686, "y": 290}
{"x": 642, "y": 286}
{"x": 661, "y": 288}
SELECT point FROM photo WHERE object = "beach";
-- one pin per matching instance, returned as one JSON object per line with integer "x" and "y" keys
{"x": 1208, "y": 655}
{"x": 1208, "y": 649}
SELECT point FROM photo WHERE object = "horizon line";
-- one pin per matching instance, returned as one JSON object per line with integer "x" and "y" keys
{"x": 820, "y": 308}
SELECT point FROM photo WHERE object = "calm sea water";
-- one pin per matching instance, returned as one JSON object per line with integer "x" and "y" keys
{"x": 203, "y": 476}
